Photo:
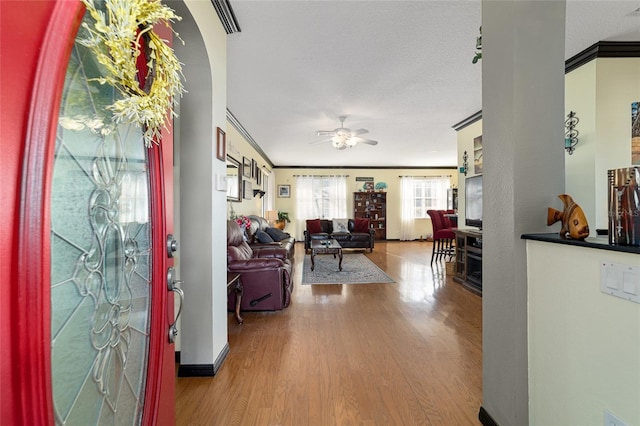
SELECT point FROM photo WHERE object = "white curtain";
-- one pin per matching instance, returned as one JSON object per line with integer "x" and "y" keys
{"x": 320, "y": 197}
{"x": 407, "y": 210}
{"x": 441, "y": 185}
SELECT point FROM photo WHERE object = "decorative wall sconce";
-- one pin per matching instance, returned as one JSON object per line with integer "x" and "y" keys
{"x": 465, "y": 163}
{"x": 258, "y": 192}
{"x": 570, "y": 133}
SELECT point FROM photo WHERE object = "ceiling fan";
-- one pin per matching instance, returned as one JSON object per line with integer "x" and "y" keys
{"x": 343, "y": 138}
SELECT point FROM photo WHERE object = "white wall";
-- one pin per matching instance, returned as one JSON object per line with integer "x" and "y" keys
{"x": 580, "y": 176}
{"x": 584, "y": 351}
{"x": 202, "y": 254}
{"x": 601, "y": 93}
{"x": 285, "y": 176}
{"x": 465, "y": 137}
{"x": 522, "y": 104}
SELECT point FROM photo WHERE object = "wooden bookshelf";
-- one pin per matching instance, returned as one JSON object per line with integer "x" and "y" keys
{"x": 372, "y": 205}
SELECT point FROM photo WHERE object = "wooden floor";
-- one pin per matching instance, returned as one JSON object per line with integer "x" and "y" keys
{"x": 406, "y": 353}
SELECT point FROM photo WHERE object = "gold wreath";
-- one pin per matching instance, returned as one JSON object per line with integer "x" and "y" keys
{"x": 114, "y": 38}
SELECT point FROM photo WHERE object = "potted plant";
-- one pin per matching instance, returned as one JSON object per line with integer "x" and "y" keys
{"x": 381, "y": 186}
{"x": 283, "y": 219}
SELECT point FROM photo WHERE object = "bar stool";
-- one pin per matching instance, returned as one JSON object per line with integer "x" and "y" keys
{"x": 443, "y": 237}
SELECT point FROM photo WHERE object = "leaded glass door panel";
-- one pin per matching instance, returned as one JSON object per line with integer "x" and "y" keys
{"x": 102, "y": 257}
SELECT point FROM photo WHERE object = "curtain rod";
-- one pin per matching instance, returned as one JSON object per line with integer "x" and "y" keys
{"x": 320, "y": 175}
{"x": 431, "y": 176}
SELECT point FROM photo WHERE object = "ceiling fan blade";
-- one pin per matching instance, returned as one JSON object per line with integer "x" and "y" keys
{"x": 325, "y": 133}
{"x": 319, "y": 142}
{"x": 359, "y": 132}
{"x": 368, "y": 141}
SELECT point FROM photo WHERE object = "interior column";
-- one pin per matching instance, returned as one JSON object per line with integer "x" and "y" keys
{"x": 523, "y": 114}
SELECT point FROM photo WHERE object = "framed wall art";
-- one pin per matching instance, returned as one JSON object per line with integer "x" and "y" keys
{"x": 246, "y": 167}
{"x": 221, "y": 145}
{"x": 284, "y": 191}
{"x": 247, "y": 190}
{"x": 254, "y": 169}
{"x": 234, "y": 179}
{"x": 635, "y": 134}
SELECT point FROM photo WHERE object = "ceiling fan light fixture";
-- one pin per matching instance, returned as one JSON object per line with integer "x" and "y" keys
{"x": 342, "y": 138}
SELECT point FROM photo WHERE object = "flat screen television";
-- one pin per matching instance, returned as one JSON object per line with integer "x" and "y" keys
{"x": 473, "y": 201}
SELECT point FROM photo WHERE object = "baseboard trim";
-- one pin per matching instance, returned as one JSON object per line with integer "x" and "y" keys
{"x": 485, "y": 418}
{"x": 217, "y": 364}
{"x": 204, "y": 370}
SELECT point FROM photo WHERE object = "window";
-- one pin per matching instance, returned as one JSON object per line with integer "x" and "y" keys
{"x": 429, "y": 193}
{"x": 321, "y": 197}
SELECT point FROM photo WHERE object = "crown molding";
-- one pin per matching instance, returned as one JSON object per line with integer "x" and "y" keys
{"x": 245, "y": 134}
{"x": 467, "y": 121}
{"x": 603, "y": 49}
{"x": 226, "y": 15}
{"x": 370, "y": 167}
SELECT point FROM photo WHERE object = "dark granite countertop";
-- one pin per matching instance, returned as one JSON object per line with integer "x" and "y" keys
{"x": 600, "y": 243}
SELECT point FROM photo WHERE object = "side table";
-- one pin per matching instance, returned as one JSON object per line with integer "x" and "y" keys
{"x": 234, "y": 283}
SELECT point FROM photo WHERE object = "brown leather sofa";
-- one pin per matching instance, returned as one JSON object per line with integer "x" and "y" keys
{"x": 266, "y": 273}
{"x": 257, "y": 238}
{"x": 353, "y": 239}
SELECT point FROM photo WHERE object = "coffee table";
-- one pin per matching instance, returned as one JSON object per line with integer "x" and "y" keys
{"x": 330, "y": 246}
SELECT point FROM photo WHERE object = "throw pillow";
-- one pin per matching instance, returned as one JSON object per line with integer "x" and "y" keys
{"x": 341, "y": 225}
{"x": 361, "y": 225}
{"x": 263, "y": 237}
{"x": 313, "y": 226}
{"x": 276, "y": 234}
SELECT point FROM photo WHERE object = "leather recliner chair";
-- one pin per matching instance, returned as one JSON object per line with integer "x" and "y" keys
{"x": 265, "y": 273}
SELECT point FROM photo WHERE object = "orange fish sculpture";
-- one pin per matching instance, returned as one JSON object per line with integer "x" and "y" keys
{"x": 574, "y": 222}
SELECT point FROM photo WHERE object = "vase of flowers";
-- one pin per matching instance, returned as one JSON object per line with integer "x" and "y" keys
{"x": 244, "y": 222}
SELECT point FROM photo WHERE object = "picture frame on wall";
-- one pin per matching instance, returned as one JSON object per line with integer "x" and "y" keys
{"x": 246, "y": 167}
{"x": 221, "y": 145}
{"x": 247, "y": 190}
{"x": 284, "y": 191}
{"x": 259, "y": 177}
{"x": 635, "y": 133}
{"x": 254, "y": 169}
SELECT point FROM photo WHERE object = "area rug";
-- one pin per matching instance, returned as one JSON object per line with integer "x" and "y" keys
{"x": 356, "y": 269}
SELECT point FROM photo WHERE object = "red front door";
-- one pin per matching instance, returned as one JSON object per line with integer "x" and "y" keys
{"x": 86, "y": 290}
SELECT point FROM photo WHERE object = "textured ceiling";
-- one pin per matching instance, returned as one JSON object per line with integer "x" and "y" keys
{"x": 401, "y": 69}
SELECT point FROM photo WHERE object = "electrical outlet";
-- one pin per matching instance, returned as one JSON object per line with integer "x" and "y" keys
{"x": 611, "y": 420}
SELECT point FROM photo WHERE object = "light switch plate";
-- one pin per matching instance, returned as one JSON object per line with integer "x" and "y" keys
{"x": 621, "y": 281}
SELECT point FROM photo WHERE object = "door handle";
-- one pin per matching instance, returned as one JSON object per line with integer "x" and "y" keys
{"x": 172, "y": 284}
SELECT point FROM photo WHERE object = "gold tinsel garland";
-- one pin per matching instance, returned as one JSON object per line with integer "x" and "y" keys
{"x": 115, "y": 38}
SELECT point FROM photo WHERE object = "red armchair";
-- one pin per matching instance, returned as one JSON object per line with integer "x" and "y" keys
{"x": 265, "y": 273}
